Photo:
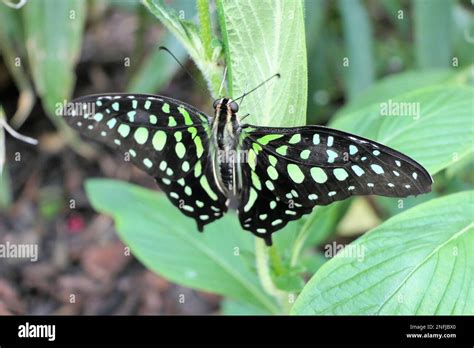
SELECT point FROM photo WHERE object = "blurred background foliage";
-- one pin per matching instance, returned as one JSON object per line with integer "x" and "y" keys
{"x": 52, "y": 50}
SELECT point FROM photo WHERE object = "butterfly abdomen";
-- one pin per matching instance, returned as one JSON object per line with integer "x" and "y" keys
{"x": 226, "y": 138}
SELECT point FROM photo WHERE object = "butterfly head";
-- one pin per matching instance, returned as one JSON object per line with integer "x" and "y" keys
{"x": 226, "y": 104}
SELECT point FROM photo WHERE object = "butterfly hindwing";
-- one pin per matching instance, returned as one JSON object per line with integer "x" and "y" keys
{"x": 290, "y": 170}
{"x": 196, "y": 194}
{"x": 164, "y": 137}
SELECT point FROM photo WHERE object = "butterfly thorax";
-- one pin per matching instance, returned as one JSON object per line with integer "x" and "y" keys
{"x": 225, "y": 147}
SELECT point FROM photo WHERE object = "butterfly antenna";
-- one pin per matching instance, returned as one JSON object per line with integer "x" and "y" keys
{"x": 163, "y": 48}
{"x": 222, "y": 83}
{"x": 260, "y": 85}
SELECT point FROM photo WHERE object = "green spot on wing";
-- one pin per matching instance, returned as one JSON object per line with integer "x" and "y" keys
{"x": 252, "y": 197}
{"x": 295, "y": 173}
{"x": 282, "y": 150}
{"x": 141, "y": 135}
{"x": 171, "y": 122}
{"x": 305, "y": 154}
{"x": 377, "y": 169}
{"x": 153, "y": 119}
{"x": 257, "y": 148}
{"x": 207, "y": 188}
{"x": 147, "y": 163}
{"x": 272, "y": 173}
{"x": 166, "y": 108}
{"x": 296, "y": 138}
{"x": 123, "y": 130}
{"x": 273, "y": 160}
{"x": 180, "y": 150}
{"x": 98, "y": 117}
{"x": 111, "y": 123}
{"x": 199, "y": 147}
{"x": 131, "y": 116}
{"x": 358, "y": 170}
{"x": 331, "y": 155}
{"x": 197, "y": 169}
{"x": 318, "y": 175}
{"x": 340, "y": 174}
{"x": 187, "y": 119}
{"x": 256, "y": 181}
{"x": 252, "y": 159}
{"x": 193, "y": 131}
{"x": 269, "y": 137}
{"x": 352, "y": 149}
{"x": 159, "y": 140}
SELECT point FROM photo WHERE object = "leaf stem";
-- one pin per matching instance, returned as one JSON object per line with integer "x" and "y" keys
{"x": 262, "y": 258}
{"x": 14, "y": 133}
{"x": 205, "y": 29}
{"x": 225, "y": 42}
{"x": 301, "y": 239}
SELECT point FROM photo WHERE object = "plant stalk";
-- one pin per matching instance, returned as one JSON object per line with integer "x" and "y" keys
{"x": 262, "y": 258}
{"x": 301, "y": 239}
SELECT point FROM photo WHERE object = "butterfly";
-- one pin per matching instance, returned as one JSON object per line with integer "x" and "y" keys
{"x": 209, "y": 164}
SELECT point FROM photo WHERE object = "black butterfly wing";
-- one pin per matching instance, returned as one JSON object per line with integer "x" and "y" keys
{"x": 290, "y": 170}
{"x": 164, "y": 137}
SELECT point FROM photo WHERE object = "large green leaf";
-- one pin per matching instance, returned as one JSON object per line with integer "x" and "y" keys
{"x": 359, "y": 72}
{"x": 168, "y": 243}
{"x": 418, "y": 262}
{"x": 433, "y": 31}
{"x": 189, "y": 35}
{"x": 53, "y": 30}
{"x": 435, "y": 137}
{"x": 395, "y": 85}
{"x": 232, "y": 307}
{"x": 13, "y": 50}
{"x": 158, "y": 69}
{"x": 262, "y": 38}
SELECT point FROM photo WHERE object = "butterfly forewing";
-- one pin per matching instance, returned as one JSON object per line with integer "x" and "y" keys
{"x": 161, "y": 136}
{"x": 290, "y": 170}
{"x": 166, "y": 138}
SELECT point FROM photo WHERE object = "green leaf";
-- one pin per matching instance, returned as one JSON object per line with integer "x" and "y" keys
{"x": 169, "y": 244}
{"x": 261, "y": 39}
{"x": 53, "y": 31}
{"x": 359, "y": 73}
{"x": 289, "y": 280}
{"x": 433, "y": 135}
{"x": 232, "y": 307}
{"x": 13, "y": 50}
{"x": 395, "y": 85}
{"x": 433, "y": 22}
{"x": 205, "y": 26}
{"x": 418, "y": 262}
{"x": 463, "y": 39}
{"x": 316, "y": 228}
{"x": 53, "y": 34}
{"x": 189, "y": 36}
{"x": 158, "y": 69}
{"x": 5, "y": 185}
